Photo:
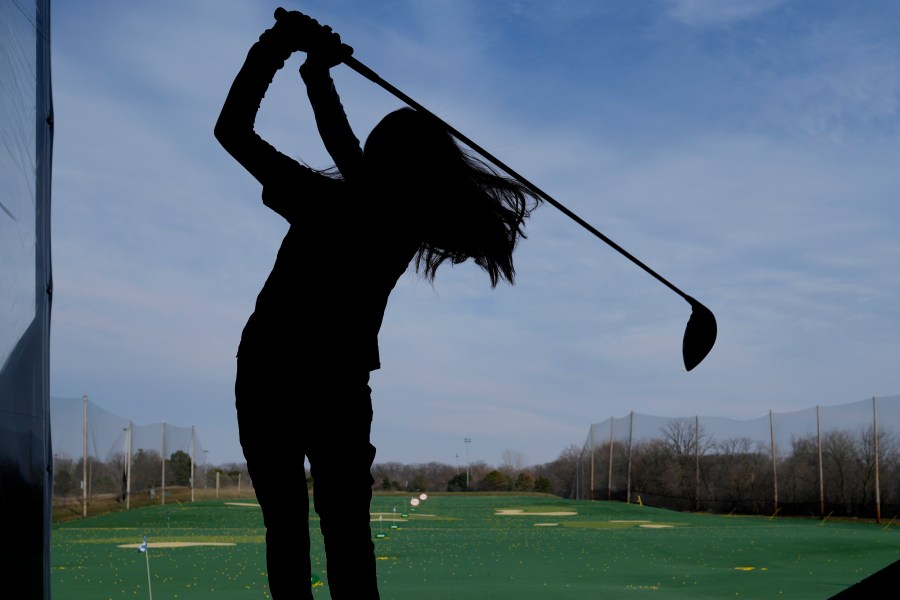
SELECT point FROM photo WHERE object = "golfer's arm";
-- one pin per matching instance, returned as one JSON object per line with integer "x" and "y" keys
{"x": 331, "y": 120}
{"x": 235, "y": 127}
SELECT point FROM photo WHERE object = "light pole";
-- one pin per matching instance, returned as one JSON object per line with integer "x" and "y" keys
{"x": 129, "y": 442}
{"x": 125, "y": 466}
{"x": 467, "y": 442}
{"x": 205, "y": 453}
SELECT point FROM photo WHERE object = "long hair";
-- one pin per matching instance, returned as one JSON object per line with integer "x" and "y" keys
{"x": 463, "y": 207}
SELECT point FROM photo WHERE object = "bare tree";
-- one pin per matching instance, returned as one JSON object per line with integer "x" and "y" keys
{"x": 686, "y": 442}
{"x": 146, "y": 470}
{"x": 840, "y": 460}
{"x": 887, "y": 455}
{"x": 681, "y": 435}
{"x": 511, "y": 463}
{"x": 737, "y": 475}
{"x": 562, "y": 472}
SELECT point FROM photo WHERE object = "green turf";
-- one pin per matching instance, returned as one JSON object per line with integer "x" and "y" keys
{"x": 457, "y": 546}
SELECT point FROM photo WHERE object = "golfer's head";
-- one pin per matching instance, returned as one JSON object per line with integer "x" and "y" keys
{"x": 409, "y": 152}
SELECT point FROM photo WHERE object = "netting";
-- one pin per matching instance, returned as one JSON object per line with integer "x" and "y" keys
{"x": 98, "y": 454}
{"x": 25, "y": 156}
{"x": 79, "y": 420}
{"x": 842, "y": 459}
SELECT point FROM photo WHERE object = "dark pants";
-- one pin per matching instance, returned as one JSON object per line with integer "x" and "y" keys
{"x": 331, "y": 428}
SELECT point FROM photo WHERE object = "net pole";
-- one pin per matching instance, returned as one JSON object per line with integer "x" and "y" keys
{"x": 84, "y": 457}
{"x": 774, "y": 459}
{"x": 577, "y": 468}
{"x": 128, "y": 467}
{"x": 630, "y": 434}
{"x": 612, "y": 422}
{"x": 578, "y": 461}
{"x": 591, "y": 478}
{"x": 821, "y": 468}
{"x": 192, "y": 463}
{"x": 877, "y": 484}
{"x": 162, "y": 494}
{"x": 697, "y": 459}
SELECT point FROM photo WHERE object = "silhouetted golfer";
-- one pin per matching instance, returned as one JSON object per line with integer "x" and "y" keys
{"x": 312, "y": 339}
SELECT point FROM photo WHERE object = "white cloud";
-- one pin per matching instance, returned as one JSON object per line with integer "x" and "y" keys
{"x": 772, "y": 201}
{"x": 703, "y": 13}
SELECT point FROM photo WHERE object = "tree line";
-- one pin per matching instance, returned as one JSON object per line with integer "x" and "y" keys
{"x": 147, "y": 471}
{"x": 683, "y": 468}
{"x": 837, "y": 473}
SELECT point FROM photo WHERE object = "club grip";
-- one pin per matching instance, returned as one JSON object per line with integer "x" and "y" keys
{"x": 280, "y": 12}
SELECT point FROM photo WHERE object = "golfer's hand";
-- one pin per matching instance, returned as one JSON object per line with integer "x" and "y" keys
{"x": 295, "y": 31}
{"x": 299, "y": 32}
{"x": 326, "y": 49}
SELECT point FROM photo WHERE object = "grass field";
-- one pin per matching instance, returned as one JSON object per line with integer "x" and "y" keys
{"x": 487, "y": 547}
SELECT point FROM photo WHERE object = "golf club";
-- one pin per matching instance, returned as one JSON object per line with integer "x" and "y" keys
{"x": 700, "y": 332}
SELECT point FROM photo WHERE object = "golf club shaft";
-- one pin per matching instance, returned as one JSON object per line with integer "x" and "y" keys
{"x": 372, "y": 76}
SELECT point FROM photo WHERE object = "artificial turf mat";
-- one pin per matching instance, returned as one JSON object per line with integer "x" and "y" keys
{"x": 480, "y": 547}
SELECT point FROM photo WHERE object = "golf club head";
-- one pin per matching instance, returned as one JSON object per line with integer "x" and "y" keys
{"x": 699, "y": 335}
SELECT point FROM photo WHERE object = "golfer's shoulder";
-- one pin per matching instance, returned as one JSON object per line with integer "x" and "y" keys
{"x": 293, "y": 185}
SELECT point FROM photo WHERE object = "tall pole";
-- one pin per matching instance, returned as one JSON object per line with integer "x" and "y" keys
{"x": 124, "y": 461}
{"x": 192, "y": 463}
{"x": 612, "y": 421}
{"x": 162, "y": 494}
{"x": 821, "y": 470}
{"x": 630, "y": 434}
{"x": 578, "y": 468}
{"x": 697, "y": 458}
{"x": 877, "y": 485}
{"x": 128, "y": 466}
{"x": 467, "y": 441}
{"x": 84, "y": 459}
{"x": 591, "y": 485}
{"x": 125, "y": 466}
{"x": 774, "y": 467}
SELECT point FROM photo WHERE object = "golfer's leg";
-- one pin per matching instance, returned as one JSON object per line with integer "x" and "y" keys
{"x": 287, "y": 532}
{"x": 342, "y": 491}
{"x": 266, "y": 439}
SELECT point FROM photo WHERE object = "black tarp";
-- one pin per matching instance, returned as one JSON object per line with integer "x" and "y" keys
{"x": 26, "y": 135}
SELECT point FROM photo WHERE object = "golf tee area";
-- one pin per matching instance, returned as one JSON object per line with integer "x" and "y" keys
{"x": 477, "y": 546}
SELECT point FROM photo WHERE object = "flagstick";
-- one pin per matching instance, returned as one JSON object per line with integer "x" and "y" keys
{"x": 149, "y": 589}
{"x": 147, "y": 556}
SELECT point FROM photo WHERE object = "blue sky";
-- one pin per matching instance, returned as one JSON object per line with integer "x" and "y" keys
{"x": 746, "y": 150}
